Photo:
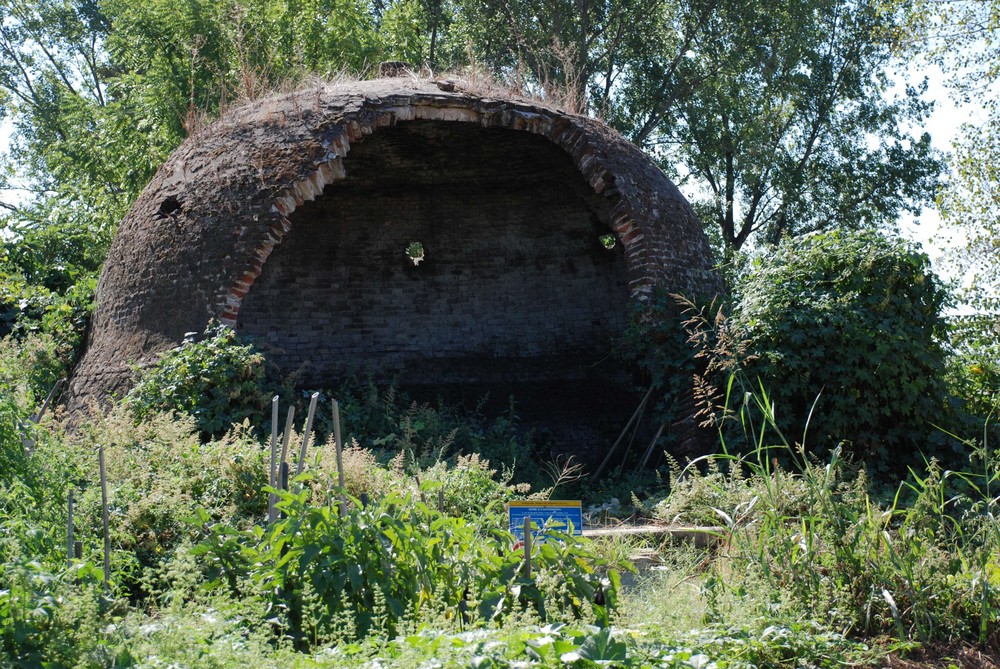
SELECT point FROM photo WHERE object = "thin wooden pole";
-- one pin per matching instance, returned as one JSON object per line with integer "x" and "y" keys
{"x": 283, "y": 485}
{"x": 272, "y": 499}
{"x": 288, "y": 434}
{"x": 48, "y": 400}
{"x": 441, "y": 500}
{"x": 420, "y": 489}
{"x": 340, "y": 457}
{"x": 527, "y": 546}
{"x": 283, "y": 479}
{"x": 77, "y": 554}
{"x": 635, "y": 433}
{"x": 106, "y": 520}
{"x": 307, "y": 432}
{"x": 611, "y": 451}
{"x": 283, "y": 476}
{"x": 652, "y": 445}
{"x": 69, "y": 530}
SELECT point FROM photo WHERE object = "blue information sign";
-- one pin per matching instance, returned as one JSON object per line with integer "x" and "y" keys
{"x": 564, "y": 516}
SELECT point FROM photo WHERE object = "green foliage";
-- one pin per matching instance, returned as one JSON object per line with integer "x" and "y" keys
{"x": 655, "y": 341}
{"x": 471, "y": 486}
{"x": 962, "y": 39}
{"x": 158, "y": 472}
{"x": 846, "y": 329}
{"x": 796, "y": 133}
{"x": 812, "y": 561}
{"x": 101, "y": 92}
{"x": 817, "y": 544}
{"x": 468, "y": 485}
{"x": 713, "y": 497}
{"x": 43, "y": 335}
{"x": 387, "y": 420}
{"x": 974, "y": 363}
{"x": 970, "y": 209}
{"x": 216, "y": 379}
{"x": 397, "y": 560}
{"x": 12, "y": 457}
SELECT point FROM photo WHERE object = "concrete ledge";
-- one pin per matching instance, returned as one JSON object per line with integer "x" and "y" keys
{"x": 701, "y": 537}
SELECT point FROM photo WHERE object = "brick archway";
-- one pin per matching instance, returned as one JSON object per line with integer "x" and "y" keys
{"x": 201, "y": 236}
{"x": 562, "y": 134}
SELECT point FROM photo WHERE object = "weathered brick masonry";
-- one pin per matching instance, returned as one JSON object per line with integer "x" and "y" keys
{"x": 515, "y": 284}
{"x": 289, "y": 219}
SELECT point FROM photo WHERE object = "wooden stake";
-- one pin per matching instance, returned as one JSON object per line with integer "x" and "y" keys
{"x": 420, "y": 489}
{"x": 638, "y": 412}
{"x": 48, "y": 400}
{"x": 652, "y": 445}
{"x": 272, "y": 499}
{"x": 441, "y": 500}
{"x": 288, "y": 435}
{"x": 77, "y": 555}
{"x": 340, "y": 459}
{"x": 69, "y": 531}
{"x": 635, "y": 432}
{"x": 527, "y": 546}
{"x": 283, "y": 483}
{"x": 305, "y": 436}
{"x": 104, "y": 509}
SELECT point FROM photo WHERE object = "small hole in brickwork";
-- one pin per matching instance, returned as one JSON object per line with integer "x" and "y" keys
{"x": 415, "y": 252}
{"x": 608, "y": 241}
{"x": 170, "y": 205}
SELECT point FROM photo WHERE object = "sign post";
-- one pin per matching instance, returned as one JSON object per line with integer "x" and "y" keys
{"x": 565, "y": 516}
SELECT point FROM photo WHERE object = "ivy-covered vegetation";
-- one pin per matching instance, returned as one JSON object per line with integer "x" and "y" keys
{"x": 846, "y": 331}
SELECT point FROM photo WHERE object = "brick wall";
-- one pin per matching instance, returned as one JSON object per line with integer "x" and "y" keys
{"x": 515, "y": 285}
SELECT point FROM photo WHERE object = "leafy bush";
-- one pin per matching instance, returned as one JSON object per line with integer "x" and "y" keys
{"x": 386, "y": 420}
{"x": 853, "y": 319}
{"x": 159, "y": 472}
{"x": 30, "y": 367}
{"x": 974, "y": 364}
{"x": 26, "y": 307}
{"x": 216, "y": 379}
{"x": 724, "y": 491}
{"x": 344, "y": 573}
{"x": 470, "y": 487}
{"x": 42, "y": 334}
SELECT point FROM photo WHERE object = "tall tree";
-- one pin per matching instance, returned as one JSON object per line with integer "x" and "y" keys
{"x": 791, "y": 131}
{"x": 101, "y": 91}
{"x": 963, "y": 37}
{"x": 775, "y": 115}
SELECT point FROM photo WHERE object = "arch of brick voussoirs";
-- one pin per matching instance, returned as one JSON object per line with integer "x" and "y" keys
{"x": 567, "y": 137}
{"x": 196, "y": 240}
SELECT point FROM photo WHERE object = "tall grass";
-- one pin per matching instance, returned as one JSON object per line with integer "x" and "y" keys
{"x": 921, "y": 564}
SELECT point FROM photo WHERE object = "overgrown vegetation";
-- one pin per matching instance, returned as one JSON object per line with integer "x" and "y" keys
{"x": 855, "y": 469}
{"x": 809, "y": 564}
{"x": 215, "y": 379}
{"x": 846, "y": 332}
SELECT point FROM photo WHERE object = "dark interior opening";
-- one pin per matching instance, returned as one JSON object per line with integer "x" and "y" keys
{"x": 514, "y": 290}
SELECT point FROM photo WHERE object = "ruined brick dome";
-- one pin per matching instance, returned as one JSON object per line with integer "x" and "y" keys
{"x": 396, "y": 229}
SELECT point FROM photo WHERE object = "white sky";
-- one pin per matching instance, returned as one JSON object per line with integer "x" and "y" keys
{"x": 943, "y": 126}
